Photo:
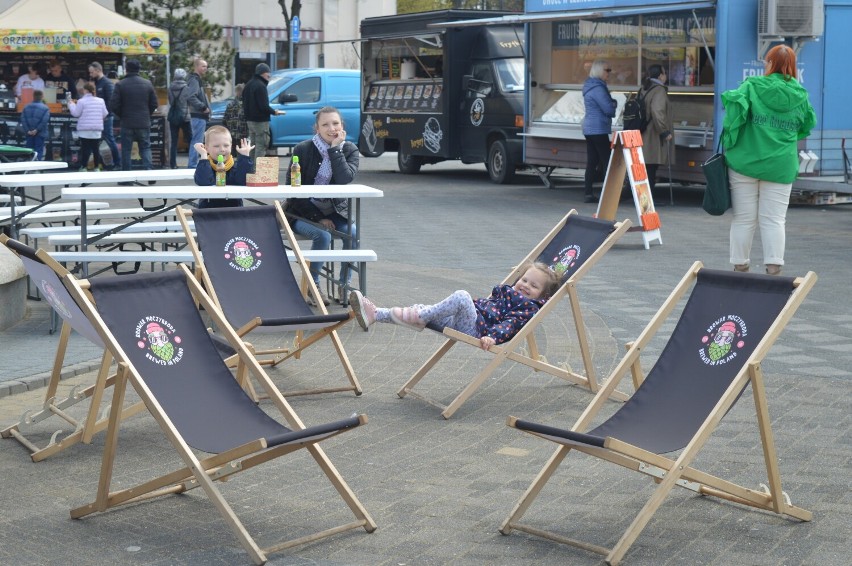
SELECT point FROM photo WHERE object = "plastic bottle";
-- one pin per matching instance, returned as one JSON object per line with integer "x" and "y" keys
{"x": 295, "y": 172}
{"x": 220, "y": 171}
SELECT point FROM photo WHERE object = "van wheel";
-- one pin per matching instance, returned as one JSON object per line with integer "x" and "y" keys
{"x": 408, "y": 164}
{"x": 500, "y": 166}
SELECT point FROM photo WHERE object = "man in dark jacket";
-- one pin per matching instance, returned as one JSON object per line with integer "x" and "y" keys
{"x": 104, "y": 88}
{"x": 133, "y": 101}
{"x": 257, "y": 110}
{"x": 34, "y": 121}
{"x": 199, "y": 107}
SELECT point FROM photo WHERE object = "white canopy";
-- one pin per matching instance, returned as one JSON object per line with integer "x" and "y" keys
{"x": 76, "y": 26}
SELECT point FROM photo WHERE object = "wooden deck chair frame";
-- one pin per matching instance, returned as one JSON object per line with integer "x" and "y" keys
{"x": 217, "y": 467}
{"x": 274, "y": 356}
{"x": 514, "y": 349}
{"x": 95, "y": 421}
{"x": 670, "y": 472}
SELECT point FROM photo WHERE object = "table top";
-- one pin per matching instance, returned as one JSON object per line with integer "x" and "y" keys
{"x": 78, "y": 177}
{"x": 231, "y": 191}
{"x": 21, "y": 166}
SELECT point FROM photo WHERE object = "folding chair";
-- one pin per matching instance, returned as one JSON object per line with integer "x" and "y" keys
{"x": 571, "y": 248}
{"x": 151, "y": 325}
{"x": 716, "y": 349}
{"x": 248, "y": 274}
{"x": 46, "y": 274}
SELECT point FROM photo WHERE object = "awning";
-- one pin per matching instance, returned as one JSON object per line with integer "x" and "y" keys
{"x": 71, "y": 26}
{"x": 578, "y": 14}
{"x": 279, "y": 34}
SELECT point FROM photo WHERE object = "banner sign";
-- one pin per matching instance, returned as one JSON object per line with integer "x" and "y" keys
{"x": 47, "y": 41}
{"x": 533, "y": 6}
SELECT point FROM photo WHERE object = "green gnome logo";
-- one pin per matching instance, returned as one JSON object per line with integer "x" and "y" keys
{"x": 565, "y": 259}
{"x": 722, "y": 340}
{"x": 242, "y": 253}
{"x": 159, "y": 341}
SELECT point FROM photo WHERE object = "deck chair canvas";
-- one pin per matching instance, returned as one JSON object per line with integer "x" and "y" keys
{"x": 571, "y": 248}
{"x": 152, "y": 327}
{"x": 46, "y": 274}
{"x": 715, "y": 351}
{"x": 248, "y": 274}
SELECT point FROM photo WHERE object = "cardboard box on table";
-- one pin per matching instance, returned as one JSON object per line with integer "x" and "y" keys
{"x": 265, "y": 173}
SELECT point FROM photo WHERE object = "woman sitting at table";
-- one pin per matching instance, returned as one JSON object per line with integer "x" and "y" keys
{"x": 325, "y": 159}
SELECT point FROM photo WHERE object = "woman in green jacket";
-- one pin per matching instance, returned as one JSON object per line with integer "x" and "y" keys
{"x": 765, "y": 117}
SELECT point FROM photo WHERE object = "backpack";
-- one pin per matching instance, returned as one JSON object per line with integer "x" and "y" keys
{"x": 175, "y": 116}
{"x": 635, "y": 115}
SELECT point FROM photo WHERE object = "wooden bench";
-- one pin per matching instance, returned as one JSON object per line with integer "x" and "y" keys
{"x": 359, "y": 257}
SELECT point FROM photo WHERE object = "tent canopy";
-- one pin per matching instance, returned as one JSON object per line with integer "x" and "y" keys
{"x": 76, "y": 26}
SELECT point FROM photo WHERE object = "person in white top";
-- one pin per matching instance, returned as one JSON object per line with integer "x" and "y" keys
{"x": 29, "y": 80}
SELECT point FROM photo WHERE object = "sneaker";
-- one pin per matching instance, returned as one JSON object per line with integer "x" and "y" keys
{"x": 323, "y": 298}
{"x": 364, "y": 309}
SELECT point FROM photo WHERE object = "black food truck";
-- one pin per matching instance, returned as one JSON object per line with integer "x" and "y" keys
{"x": 432, "y": 92}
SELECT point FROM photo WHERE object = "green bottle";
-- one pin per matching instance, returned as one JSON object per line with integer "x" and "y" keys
{"x": 220, "y": 171}
{"x": 295, "y": 172}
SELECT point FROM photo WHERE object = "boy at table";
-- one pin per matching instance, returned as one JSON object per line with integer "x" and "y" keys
{"x": 217, "y": 141}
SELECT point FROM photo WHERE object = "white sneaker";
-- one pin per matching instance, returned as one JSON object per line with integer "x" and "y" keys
{"x": 364, "y": 309}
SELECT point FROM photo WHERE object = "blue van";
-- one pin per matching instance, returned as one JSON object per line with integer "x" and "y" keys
{"x": 302, "y": 92}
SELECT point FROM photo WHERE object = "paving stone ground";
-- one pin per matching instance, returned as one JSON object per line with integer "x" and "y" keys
{"x": 439, "y": 489}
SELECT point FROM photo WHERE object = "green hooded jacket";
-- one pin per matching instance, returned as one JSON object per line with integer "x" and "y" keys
{"x": 764, "y": 118}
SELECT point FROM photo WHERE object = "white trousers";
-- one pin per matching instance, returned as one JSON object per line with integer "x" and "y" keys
{"x": 758, "y": 203}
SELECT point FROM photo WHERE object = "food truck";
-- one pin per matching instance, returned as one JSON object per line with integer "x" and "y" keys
{"x": 707, "y": 47}
{"x": 432, "y": 92}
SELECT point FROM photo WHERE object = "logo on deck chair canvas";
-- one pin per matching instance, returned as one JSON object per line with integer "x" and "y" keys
{"x": 565, "y": 259}
{"x": 159, "y": 339}
{"x": 242, "y": 254}
{"x": 54, "y": 300}
{"x": 723, "y": 339}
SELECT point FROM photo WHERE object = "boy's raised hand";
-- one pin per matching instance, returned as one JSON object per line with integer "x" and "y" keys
{"x": 245, "y": 147}
{"x": 202, "y": 151}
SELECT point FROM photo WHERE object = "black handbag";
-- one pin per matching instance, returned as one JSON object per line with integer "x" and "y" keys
{"x": 717, "y": 194}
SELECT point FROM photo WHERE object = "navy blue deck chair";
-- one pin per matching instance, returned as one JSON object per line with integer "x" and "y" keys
{"x": 715, "y": 351}
{"x": 246, "y": 270}
{"x": 571, "y": 248}
{"x": 153, "y": 328}
{"x": 46, "y": 274}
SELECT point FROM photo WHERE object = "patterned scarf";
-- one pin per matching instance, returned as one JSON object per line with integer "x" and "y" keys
{"x": 324, "y": 174}
{"x": 229, "y": 162}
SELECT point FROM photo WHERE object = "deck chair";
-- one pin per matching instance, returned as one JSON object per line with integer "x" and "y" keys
{"x": 249, "y": 276}
{"x": 725, "y": 330}
{"x": 46, "y": 274}
{"x": 152, "y": 327}
{"x": 571, "y": 248}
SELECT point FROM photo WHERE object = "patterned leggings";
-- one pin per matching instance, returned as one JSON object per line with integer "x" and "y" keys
{"x": 456, "y": 311}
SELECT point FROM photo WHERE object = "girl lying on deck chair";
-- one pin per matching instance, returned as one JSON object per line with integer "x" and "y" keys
{"x": 493, "y": 320}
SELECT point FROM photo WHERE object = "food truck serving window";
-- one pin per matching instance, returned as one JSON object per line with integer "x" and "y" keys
{"x": 630, "y": 44}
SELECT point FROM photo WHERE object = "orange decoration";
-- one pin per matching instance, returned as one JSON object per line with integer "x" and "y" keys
{"x": 650, "y": 221}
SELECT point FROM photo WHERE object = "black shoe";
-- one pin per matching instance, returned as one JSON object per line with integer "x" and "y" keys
{"x": 151, "y": 182}
{"x": 125, "y": 183}
{"x": 590, "y": 198}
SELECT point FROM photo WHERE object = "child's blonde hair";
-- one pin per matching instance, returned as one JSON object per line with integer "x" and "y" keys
{"x": 552, "y": 282}
{"x": 213, "y": 130}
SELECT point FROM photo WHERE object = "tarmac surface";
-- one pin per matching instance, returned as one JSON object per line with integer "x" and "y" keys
{"x": 439, "y": 489}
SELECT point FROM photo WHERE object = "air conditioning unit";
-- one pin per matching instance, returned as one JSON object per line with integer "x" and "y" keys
{"x": 791, "y": 18}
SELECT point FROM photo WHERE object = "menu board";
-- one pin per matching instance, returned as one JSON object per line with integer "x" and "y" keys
{"x": 405, "y": 96}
